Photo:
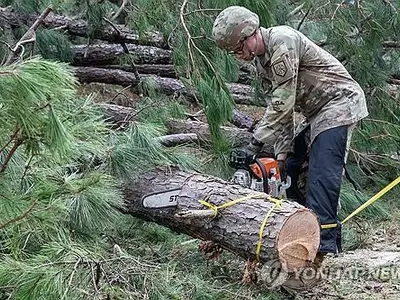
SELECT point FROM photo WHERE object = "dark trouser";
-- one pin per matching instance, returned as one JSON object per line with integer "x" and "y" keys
{"x": 326, "y": 163}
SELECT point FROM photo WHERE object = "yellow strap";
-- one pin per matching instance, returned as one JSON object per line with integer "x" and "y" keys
{"x": 328, "y": 226}
{"x": 278, "y": 204}
{"x": 228, "y": 204}
{"x": 373, "y": 199}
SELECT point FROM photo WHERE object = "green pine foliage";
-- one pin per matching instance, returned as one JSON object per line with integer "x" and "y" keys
{"x": 61, "y": 174}
{"x": 61, "y": 166}
{"x": 54, "y": 45}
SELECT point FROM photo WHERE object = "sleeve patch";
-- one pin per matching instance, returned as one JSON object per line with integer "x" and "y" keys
{"x": 280, "y": 68}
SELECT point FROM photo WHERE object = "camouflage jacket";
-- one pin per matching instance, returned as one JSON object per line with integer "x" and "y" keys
{"x": 304, "y": 78}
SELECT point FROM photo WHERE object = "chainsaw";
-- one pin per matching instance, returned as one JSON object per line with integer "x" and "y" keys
{"x": 259, "y": 174}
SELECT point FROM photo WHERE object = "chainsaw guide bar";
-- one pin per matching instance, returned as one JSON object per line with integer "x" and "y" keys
{"x": 161, "y": 199}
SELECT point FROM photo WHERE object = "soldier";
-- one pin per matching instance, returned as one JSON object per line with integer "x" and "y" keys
{"x": 308, "y": 79}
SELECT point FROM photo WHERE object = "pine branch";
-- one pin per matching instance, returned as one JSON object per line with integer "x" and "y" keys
{"x": 13, "y": 136}
{"x": 18, "y": 142}
{"x": 29, "y": 36}
{"x": 126, "y": 50}
{"x": 71, "y": 277}
{"x": 202, "y": 10}
{"x": 27, "y": 167}
{"x": 20, "y": 217}
{"x": 189, "y": 39}
{"x": 304, "y": 17}
{"x": 394, "y": 81}
{"x": 120, "y": 10}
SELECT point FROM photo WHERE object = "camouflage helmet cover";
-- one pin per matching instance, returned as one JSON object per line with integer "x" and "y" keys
{"x": 232, "y": 25}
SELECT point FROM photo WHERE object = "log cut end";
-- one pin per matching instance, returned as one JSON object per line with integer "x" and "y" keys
{"x": 298, "y": 240}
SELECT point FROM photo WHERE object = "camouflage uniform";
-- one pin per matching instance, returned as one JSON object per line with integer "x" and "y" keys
{"x": 307, "y": 79}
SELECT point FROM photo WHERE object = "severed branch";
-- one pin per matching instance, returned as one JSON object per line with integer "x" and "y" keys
{"x": 304, "y": 17}
{"x": 394, "y": 81}
{"x": 120, "y": 10}
{"x": 29, "y": 36}
{"x": 126, "y": 50}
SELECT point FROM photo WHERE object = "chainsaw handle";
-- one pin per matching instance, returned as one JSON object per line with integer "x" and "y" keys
{"x": 264, "y": 174}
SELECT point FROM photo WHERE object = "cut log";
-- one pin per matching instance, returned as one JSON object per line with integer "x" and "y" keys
{"x": 121, "y": 115}
{"x": 237, "y": 137}
{"x": 79, "y": 27}
{"x": 291, "y": 234}
{"x": 163, "y": 70}
{"x": 241, "y": 93}
{"x": 147, "y": 65}
{"x": 103, "y": 54}
{"x": 117, "y": 114}
{"x": 242, "y": 120}
{"x": 173, "y": 140}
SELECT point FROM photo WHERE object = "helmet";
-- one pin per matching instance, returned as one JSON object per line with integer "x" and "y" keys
{"x": 232, "y": 25}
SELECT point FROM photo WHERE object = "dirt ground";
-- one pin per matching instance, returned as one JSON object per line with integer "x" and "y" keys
{"x": 372, "y": 272}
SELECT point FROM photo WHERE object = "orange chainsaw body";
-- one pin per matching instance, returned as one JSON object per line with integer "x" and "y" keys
{"x": 271, "y": 165}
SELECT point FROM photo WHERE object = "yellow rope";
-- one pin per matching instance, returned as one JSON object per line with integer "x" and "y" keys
{"x": 373, "y": 199}
{"x": 329, "y": 226}
{"x": 277, "y": 204}
{"x": 228, "y": 204}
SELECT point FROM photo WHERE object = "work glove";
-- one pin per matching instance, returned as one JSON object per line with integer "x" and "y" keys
{"x": 282, "y": 169}
{"x": 254, "y": 147}
{"x": 245, "y": 156}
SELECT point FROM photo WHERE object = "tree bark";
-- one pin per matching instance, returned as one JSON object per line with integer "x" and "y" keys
{"x": 236, "y": 136}
{"x": 103, "y": 54}
{"x": 121, "y": 115}
{"x": 79, "y": 27}
{"x": 163, "y": 70}
{"x": 173, "y": 140}
{"x": 241, "y": 93}
{"x": 117, "y": 114}
{"x": 291, "y": 234}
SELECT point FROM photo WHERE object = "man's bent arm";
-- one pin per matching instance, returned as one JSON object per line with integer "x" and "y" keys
{"x": 276, "y": 127}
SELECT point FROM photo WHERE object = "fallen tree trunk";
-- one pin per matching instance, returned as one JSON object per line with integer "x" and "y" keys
{"x": 79, "y": 27}
{"x": 237, "y": 137}
{"x": 163, "y": 70}
{"x": 291, "y": 234}
{"x": 242, "y": 94}
{"x": 122, "y": 115}
{"x": 173, "y": 140}
{"x": 117, "y": 114}
{"x": 103, "y": 54}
